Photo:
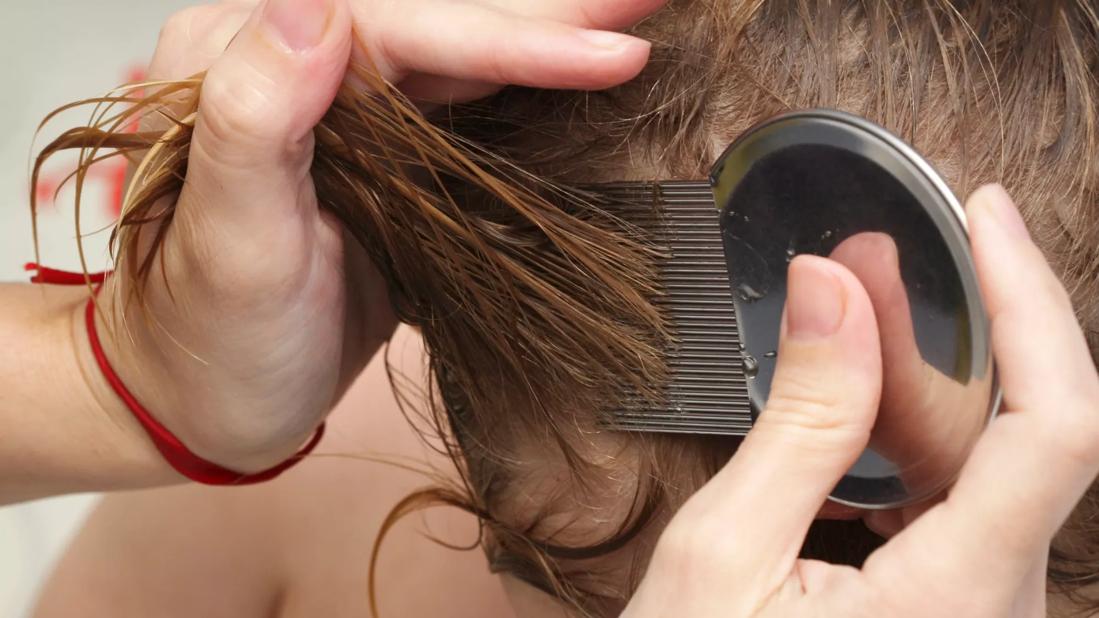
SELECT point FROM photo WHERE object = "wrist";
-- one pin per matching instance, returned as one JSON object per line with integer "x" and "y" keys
{"x": 67, "y": 432}
{"x": 164, "y": 378}
{"x": 126, "y": 458}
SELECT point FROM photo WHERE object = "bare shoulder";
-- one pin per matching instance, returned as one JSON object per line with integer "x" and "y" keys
{"x": 298, "y": 546}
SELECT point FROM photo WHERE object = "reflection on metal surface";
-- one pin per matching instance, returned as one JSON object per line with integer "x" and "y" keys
{"x": 834, "y": 185}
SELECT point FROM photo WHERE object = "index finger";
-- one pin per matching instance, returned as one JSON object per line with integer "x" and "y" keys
{"x": 1037, "y": 458}
{"x": 189, "y": 43}
{"x": 482, "y": 43}
{"x": 193, "y": 38}
{"x": 601, "y": 14}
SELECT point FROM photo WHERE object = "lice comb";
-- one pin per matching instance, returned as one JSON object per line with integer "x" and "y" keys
{"x": 825, "y": 183}
{"x": 707, "y": 391}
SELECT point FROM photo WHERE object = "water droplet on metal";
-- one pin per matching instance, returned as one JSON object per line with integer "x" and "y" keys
{"x": 770, "y": 354}
{"x": 751, "y": 366}
{"x": 748, "y": 293}
{"x": 749, "y": 273}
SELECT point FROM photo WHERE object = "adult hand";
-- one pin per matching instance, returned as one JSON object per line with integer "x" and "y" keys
{"x": 268, "y": 311}
{"x": 732, "y": 549}
{"x": 927, "y": 421}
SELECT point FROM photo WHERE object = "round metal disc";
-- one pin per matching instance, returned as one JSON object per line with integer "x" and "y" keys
{"x": 835, "y": 185}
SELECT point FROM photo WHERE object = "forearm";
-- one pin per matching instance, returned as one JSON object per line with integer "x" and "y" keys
{"x": 63, "y": 428}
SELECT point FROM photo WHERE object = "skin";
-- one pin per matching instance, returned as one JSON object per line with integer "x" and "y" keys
{"x": 262, "y": 337}
{"x": 249, "y": 180}
{"x": 297, "y": 546}
{"x": 981, "y": 550}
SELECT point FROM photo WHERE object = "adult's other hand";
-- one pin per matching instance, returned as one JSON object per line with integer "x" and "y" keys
{"x": 732, "y": 550}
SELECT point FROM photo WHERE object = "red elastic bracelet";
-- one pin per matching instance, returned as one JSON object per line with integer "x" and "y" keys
{"x": 174, "y": 451}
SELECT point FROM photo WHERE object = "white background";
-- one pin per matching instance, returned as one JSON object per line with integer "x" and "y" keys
{"x": 53, "y": 52}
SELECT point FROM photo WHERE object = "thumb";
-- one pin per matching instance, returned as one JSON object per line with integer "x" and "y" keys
{"x": 826, "y": 389}
{"x": 816, "y": 422}
{"x": 252, "y": 143}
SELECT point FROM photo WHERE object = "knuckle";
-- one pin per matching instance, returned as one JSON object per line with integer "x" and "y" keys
{"x": 588, "y": 16}
{"x": 222, "y": 28}
{"x": 496, "y": 67}
{"x": 1077, "y": 432}
{"x": 170, "y": 44}
{"x": 797, "y": 402}
{"x": 384, "y": 44}
{"x": 178, "y": 32}
{"x": 185, "y": 47}
{"x": 238, "y": 111}
{"x": 178, "y": 24}
{"x": 381, "y": 55}
{"x": 685, "y": 545}
{"x": 812, "y": 427}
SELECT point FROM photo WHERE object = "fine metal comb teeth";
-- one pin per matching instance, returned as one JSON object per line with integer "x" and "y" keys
{"x": 707, "y": 390}
{"x": 824, "y": 183}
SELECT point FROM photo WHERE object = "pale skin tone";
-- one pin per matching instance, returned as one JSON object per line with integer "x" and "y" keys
{"x": 312, "y": 529}
{"x": 231, "y": 370}
{"x": 979, "y": 552}
{"x": 277, "y": 548}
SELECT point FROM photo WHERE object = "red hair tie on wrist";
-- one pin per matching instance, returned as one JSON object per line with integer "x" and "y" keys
{"x": 174, "y": 451}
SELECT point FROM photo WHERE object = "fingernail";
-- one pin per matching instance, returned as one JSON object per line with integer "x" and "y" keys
{"x": 610, "y": 41}
{"x": 300, "y": 23}
{"x": 815, "y": 299}
{"x": 1004, "y": 210}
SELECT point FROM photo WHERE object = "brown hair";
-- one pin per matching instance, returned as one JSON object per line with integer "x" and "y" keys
{"x": 535, "y": 300}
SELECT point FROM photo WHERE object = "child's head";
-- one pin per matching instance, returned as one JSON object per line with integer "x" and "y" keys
{"x": 537, "y": 304}
{"x": 988, "y": 91}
